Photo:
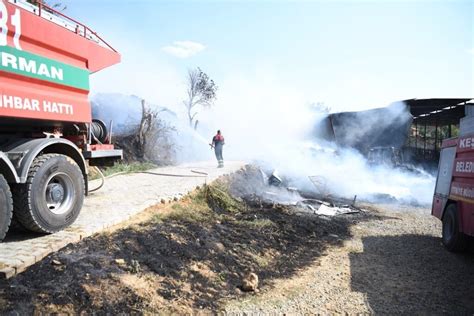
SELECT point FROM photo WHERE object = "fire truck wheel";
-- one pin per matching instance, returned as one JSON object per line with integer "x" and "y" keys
{"x": 6, "y": 207}
{"x": 53, "y": 194}
{"x": 453, "y": 239}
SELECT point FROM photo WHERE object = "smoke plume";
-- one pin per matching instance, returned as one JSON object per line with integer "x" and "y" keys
{"x": 272, "y": 125}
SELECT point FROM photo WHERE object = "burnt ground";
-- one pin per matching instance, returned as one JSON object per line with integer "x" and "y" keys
{"x": 186, "y": 256}
{"x": 190, "y": 256}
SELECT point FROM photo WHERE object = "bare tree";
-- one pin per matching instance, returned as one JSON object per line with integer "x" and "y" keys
{"x": 201, "y": 93}
{"x": 144, "y": 130}
{"x": 149, "y": 140}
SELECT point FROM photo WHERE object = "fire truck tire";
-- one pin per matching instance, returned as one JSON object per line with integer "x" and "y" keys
{"x": 52, "y": 196}
{"x": 453, "y": 239}
{"x": 6, "y": 207}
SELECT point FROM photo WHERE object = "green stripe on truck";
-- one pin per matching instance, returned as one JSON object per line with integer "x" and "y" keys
{"x": 30, "y": 65}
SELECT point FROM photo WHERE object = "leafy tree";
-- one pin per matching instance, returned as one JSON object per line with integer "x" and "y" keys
{"x": 201, "y": 93}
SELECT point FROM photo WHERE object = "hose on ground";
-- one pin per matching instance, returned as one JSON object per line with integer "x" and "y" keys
{"x": 202, "y": 174}
{"x": 102, "y": 178}
{"x": 118, "y": 173}
{"x": 172, "y": 174}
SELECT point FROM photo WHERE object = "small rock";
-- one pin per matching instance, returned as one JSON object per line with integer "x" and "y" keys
{"x": 217, "y": 246}
{"x": 56, "y": 262}
{"x": 250, "y": 282}
{"x": 176, "y": 199}
{"x": 120, "y": 261}
{"x": 163, "y": 201}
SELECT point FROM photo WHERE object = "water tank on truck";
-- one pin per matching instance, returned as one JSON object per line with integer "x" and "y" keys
{"x": 47, "y": 135}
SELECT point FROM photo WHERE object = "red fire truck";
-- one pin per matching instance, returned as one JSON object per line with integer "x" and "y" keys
{"x": 47, "y": 135}
{"x": 453, "y": 201}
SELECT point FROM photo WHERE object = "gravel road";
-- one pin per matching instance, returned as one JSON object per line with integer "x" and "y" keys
{"x": 392, "y": 265}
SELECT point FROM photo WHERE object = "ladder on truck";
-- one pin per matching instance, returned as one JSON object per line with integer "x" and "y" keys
{"x": 59, "y": 18}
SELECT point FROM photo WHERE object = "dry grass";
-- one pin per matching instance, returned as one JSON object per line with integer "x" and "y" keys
{"x": 192, "y": 255}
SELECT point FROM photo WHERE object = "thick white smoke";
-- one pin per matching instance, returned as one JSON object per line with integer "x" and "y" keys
{"x": 270, "y": 123}
{"x": 188, "y": 145}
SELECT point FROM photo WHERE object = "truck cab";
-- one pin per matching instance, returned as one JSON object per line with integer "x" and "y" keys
{"x": 48, "y": 137}
{"x": 453, "y": 201}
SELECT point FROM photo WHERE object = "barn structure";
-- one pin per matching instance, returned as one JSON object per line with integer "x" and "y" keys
{"x": 416, "y": 127}
{"x": 433, "y": 121}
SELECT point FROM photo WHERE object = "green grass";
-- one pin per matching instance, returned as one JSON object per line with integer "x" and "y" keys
{"x": 218, "y": 198}
{"x": 189, "y": 214}
{"x": 259, "y": 224}
{"x": 196, "y": 211}
{"x": 211, "y": 204}
{"x": 208, "y": 204}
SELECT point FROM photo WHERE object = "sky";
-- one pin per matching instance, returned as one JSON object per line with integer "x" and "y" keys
{"x": 351, "y": 55}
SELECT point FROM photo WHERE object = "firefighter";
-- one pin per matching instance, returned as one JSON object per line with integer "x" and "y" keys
{"x": 217, "y": 143}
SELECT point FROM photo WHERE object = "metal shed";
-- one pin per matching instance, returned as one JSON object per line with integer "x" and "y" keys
{"x": 433, "y": 120}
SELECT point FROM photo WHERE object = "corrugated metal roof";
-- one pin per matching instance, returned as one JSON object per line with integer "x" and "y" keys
{"x": 441, "y": 111}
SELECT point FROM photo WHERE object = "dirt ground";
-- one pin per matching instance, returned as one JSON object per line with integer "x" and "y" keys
{"x": 190, "y": 257}
{"x": 392, "y": 263}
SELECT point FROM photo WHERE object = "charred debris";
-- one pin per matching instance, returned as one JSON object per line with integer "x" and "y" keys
{"x": 268, "y": 189}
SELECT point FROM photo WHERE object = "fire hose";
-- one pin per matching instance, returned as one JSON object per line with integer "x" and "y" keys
{"x": 102, "y": 178}
{"x": 177, "y": 175}
{"x": 199, "y": 174}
